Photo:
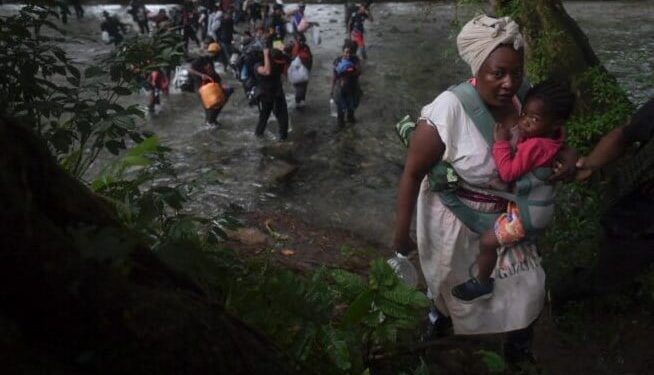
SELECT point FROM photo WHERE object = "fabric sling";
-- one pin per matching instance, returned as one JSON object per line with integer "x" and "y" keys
{"x": 533, "y": 196}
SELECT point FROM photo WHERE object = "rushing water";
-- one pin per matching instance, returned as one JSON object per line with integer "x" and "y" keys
{"x": 348, "y": 179}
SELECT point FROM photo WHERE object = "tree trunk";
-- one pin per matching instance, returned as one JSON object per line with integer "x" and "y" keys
{"x": 82, "y": 294}
{"x": 557, "y": 47}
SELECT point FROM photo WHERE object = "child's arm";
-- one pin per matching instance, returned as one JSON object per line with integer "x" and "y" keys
{"x": 530, "y": 154}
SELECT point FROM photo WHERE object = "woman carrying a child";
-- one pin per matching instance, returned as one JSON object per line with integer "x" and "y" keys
{"x": 446, "y": 132}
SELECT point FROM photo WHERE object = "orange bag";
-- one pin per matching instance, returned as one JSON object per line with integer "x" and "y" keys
{"x": 212, "y": 95}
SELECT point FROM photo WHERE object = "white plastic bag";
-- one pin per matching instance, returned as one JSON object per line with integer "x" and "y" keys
{"x": 233, "y": 59}
{"x": 105, "y": 37}
{"x": 219, "y": 68}
{"x": 182, "y": 77}
{"x": 315, "y": 35}
{"x": 303, "y": 25}
{"x": 297, "y": 72}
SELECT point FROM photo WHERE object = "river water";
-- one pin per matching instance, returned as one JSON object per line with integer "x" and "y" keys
{"x": 347, "y": 179}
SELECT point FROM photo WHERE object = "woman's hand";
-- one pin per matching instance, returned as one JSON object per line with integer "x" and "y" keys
{"x": 404, "y": 246}
{"x": 501, "y": 132}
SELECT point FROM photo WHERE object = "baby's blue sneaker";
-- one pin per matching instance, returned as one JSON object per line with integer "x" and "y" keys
{"x": 473, "y": 290}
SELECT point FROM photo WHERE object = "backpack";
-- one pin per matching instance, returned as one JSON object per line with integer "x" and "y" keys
{"x": 534, "y": 197}
{"x": 304, "y": 53}
{"x": 245, "y": 68}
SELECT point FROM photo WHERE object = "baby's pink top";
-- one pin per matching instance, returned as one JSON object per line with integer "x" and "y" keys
{"x": 531, "y": 153}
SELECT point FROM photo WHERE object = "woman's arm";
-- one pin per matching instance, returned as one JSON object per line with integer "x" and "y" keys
{"x": 198, "y": 74}
{"x": 425, "y": 149}
{"x": 609, "y": 148}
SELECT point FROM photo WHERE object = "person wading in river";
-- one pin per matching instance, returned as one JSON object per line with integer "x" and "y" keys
{"x": 113, "y": 27}
{"x": 299, "y": 49}
{"x": 346, "y": 91}
{"x": 271, "y": 98}
{"x": 203, "y": 69}
{"x": 356, "y": 30}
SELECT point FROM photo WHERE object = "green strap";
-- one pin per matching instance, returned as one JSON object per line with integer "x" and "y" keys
{"x": 475, "y": 109}
{"x": 476, "y": 221}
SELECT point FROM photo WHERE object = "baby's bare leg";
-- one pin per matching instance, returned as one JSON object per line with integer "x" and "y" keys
{"x": 487, "y": 257}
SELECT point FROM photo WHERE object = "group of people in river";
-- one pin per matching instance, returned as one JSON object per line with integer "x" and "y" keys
{"x": 274, "y": 46}
{"x": 501, "y": 139}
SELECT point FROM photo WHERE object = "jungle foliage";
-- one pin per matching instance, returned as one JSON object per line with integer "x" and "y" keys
{"x": 78, "y": 112}
{"x": 329, "y": 322}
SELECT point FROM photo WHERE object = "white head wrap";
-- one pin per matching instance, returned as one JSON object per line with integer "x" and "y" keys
{"x": 481, "y": 35}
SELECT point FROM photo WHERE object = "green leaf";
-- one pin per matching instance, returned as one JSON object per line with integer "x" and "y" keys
{"x": 395, "y": 310}
{"x": 93, "y": 71}
{"x": 218, "y": 233}
{"x": 74, "y": 71}
{"x": 336, "y": 345}
{"x": 404, "y": 295}
{"x": 60, "y": 54}
{"x": 381, "y": 274}
{"x": 135, "y": 161}
{"x": 348, "y": 284}
{"x": 171, "y": 196}
{"x": 114, "y": 146}
{"x": 423, "y": 369}
{"x": 122, "y": 91}
{"x": 149, "y": 145}
{"x": 358, "y": 308}
{"x": 494, "y": 362}
{"x": 73, "y": 81}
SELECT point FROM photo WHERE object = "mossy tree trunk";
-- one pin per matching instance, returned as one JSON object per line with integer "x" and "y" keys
{"x": 82, "y": 294}
{"x": 558, "y": 48}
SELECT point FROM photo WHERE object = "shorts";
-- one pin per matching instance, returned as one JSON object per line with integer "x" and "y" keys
{"x": 357, "y": 37}
{"x": 508, "y": 227}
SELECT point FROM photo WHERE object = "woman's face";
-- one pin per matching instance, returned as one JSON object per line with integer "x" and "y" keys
{"x": 500, "y": 76}
{"x": 347, "y": 53}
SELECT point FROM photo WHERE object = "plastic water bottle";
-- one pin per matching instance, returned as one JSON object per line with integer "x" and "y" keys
{"x": 404, "y": 269}
{"x": 333, "y": 111}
